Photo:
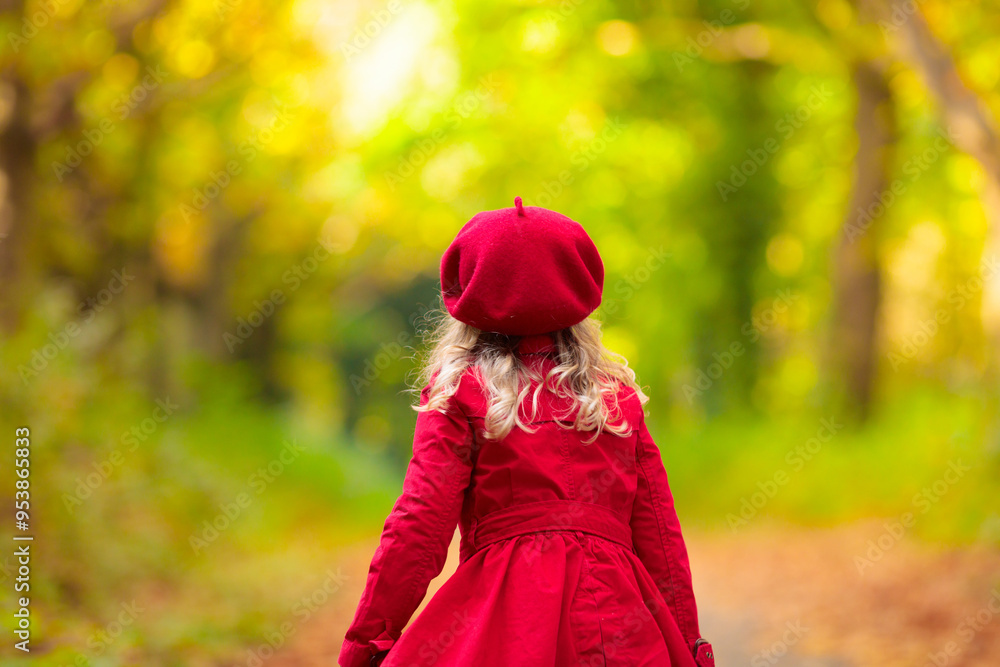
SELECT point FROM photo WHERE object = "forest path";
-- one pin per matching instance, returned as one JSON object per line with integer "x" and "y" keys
{"x": 786, "y": 596}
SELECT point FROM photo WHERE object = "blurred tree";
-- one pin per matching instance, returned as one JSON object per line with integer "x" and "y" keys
{"x": 857, "y": 266}
{"x": 17, "y": 156}
{"x": 971, "y": 125}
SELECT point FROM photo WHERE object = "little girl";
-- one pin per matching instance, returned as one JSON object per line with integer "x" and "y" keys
{"x": 530, "y": 437}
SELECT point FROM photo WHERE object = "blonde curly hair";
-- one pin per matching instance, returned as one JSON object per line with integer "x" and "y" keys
{"x": 586, "y": 373}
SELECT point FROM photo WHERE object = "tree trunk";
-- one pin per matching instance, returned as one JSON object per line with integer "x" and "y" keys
{"x": 17, "y": 159}
{"x": 857, "y": 273}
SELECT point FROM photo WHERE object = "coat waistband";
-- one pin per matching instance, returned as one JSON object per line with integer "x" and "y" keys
{"x": 552, "y": 515}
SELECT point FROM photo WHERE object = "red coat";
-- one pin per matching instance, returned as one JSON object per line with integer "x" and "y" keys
{"x": 571, "y": 553}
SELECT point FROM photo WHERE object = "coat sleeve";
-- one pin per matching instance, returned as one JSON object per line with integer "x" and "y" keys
{"x": 416, "y": 535}
{"x": 656, "y": 535}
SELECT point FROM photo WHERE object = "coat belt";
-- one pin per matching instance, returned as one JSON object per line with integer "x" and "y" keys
{"x": 552, "y": 515}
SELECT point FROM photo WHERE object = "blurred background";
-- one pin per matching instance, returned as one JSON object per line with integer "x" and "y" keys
{"x": 220, "y": 226}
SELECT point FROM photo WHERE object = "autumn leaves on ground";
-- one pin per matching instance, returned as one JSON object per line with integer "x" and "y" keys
{"x": 860, "y": 595}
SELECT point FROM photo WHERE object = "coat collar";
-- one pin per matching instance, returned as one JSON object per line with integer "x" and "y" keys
{"x": 536, "y": 344}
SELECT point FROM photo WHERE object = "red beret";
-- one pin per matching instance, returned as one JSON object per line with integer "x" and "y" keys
{"x": 521, "y": 271}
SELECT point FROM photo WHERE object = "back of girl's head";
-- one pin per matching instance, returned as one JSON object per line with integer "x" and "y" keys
{"x": 519, "y": 272}
{"x": 585, "y": 373}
